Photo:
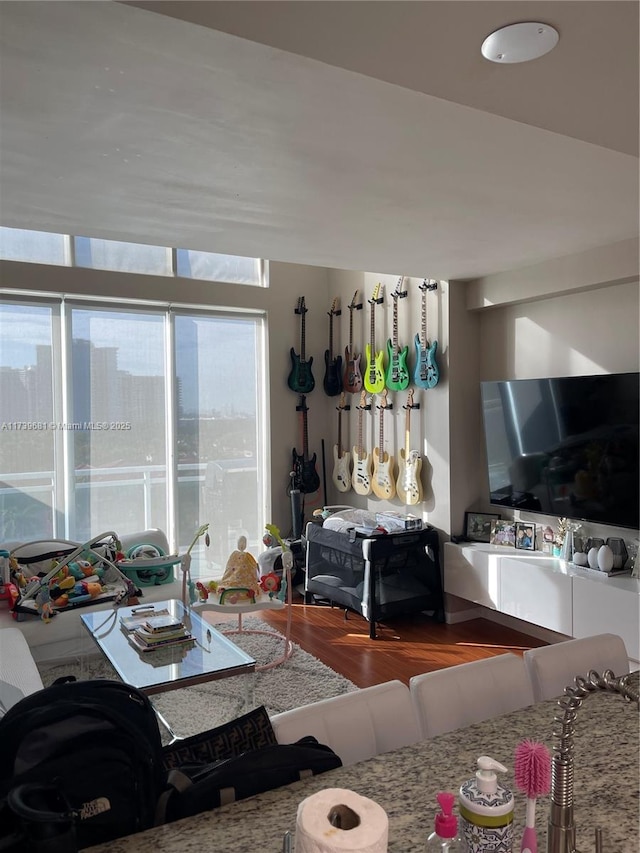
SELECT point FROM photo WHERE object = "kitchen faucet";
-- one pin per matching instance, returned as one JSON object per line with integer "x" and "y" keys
{"x": 561, "y": 832}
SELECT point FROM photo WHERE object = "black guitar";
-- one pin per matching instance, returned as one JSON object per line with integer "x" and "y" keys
{"x": 304, "y": 469}
{"x": 333, "y": 364}
{"x": 301, "y": 379}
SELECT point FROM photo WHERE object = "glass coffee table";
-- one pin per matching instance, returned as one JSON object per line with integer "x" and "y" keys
{"x": 209, "y": 657}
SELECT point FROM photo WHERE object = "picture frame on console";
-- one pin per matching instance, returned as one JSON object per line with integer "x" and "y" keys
{"x": 525, "y": 536}
{"x": 503, "y": 533}
{"x": 477, "y": 525}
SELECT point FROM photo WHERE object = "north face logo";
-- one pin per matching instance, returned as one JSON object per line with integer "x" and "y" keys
{"x": 94, "y": 807}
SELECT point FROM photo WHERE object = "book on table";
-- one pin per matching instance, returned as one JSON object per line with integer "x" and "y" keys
{"x": 141, "y": 641}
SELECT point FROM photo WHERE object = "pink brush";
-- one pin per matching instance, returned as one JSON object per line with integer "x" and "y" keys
{"x": 532, "y": 772}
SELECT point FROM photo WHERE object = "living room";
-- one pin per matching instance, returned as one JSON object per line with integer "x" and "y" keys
{"x": 516, "y": 305}
{"x": 538, "y": 275}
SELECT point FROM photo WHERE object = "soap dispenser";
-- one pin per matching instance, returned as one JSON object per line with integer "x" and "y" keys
{"x": 486, "y": 810}
{"x": 445, "y": 838}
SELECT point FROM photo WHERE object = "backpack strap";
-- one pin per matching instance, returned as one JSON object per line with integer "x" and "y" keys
{"x": 176, "y": 781}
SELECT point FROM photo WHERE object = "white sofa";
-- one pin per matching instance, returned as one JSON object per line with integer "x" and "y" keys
{"x": 64, "y": 637}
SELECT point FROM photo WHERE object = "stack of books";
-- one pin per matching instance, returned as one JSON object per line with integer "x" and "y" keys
{"x": 158, "y": 632}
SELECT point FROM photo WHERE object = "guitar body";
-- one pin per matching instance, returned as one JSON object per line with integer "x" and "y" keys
{"x": 341, "y": 470}
{"x": 408, "y": 485}
{"x": 306, "y": 477}
{"x": 332, "y": 383}
{"x": 361, "y": 476}
{"x": 352, "y": 374}
{"x": 374, "y": 373}
{"x": 300, "y": 378}
{"x": 382, "y": 482}
{"x": 397, "y": 375}
{"x": 426, "y": 373}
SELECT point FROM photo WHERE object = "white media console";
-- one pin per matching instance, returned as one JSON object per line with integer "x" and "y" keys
{"x": 545, "y": 591}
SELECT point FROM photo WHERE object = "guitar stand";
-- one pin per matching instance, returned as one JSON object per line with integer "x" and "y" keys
{"x": 431, "y": 285}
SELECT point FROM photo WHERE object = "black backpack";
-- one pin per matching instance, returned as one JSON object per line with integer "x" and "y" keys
{"x": 81, "y": 763}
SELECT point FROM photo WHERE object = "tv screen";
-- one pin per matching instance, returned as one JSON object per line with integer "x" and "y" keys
{"x": 565, "y": 446}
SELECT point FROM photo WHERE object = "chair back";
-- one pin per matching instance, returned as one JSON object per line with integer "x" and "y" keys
{"x": 355, "y": 725}
{"x": 458, "y": 696}
{"x": 552, "y": 668}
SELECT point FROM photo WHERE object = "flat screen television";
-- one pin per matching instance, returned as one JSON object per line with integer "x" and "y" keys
{"x": 565, "y": 447}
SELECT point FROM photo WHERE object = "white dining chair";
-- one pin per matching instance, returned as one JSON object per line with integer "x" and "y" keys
{"x": 458, "y": 696}
{"x": 552, "y": 668}
{"x": 355, "y": 725}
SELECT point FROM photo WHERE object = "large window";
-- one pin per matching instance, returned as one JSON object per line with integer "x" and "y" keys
{"x": 125, "y": 418}
{"x": 17, "y": 244}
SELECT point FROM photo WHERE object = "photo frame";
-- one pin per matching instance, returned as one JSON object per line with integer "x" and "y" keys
{"x": 525, "y": 536}
{"x": 477, "y": 525}
{"x": 503, "y": 533}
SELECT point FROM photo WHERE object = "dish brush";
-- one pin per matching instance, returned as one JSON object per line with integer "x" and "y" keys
{"x": 532, "y": 774}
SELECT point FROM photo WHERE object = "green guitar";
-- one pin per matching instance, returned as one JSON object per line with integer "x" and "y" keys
{"x": 397, "y": 375}
{"x": 374, "y": 373}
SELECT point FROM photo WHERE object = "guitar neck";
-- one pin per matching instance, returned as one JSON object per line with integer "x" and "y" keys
{"x": 407, "y": 433}
{"x": 302, "y": 336}
{"x": 395, "y": 326}
{"x": 305, "y": 437}
{"x": 381, "y": 434}
{"x": 331, "y": 337}
{"x": 360, "y": 447}
{"x": 423, "y": 340}
{"x": 351, "y": 332}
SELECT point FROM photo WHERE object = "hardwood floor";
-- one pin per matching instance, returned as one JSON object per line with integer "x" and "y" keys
{"x": 403, "y": 648}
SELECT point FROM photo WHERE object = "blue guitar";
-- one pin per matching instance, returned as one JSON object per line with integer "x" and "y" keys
{"x": 300, "y": 378}
{"x": 426, "y": 373}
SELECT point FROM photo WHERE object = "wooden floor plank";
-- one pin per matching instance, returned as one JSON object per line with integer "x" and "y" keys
{"x": 403, "y": 648}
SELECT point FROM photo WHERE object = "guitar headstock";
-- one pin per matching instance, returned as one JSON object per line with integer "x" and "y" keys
{"x": 410, "y": 403}
{"x": 378, "y": 294}
{"x": 363, "y": 401}
{"x": 427, "y": 284}
{"x": 355, "y": 305}
{"x": 301, "y": 308}
{"x": 302, "y": 404}
{"x": 385, "y": 404}
{"x": 342, "y": 406}
{"x": 335, "y": 311}
{"x": 399, "y": 293}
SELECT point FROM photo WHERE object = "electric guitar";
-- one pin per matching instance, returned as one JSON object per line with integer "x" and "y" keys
{"x": 426, "y": 373}
{"x": 397, "y": 375}
{"x": 408, "y": 485}
{"x": 301, "y": 379}
{"x": 304, "y": 468}
{"x": 341, "y": 458}
{"x": 333, "y": 366}
{"x": 382, "y": 482}
{"x": 352, "y": 375}
{"x": 374, "y": 373}
{"x": 361, "y": 476}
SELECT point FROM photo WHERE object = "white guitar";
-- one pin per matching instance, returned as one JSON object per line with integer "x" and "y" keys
{"x": 361, "y": 476}
{"x": 382, "y": 483}
{"x": 341, "y": 458}
{"x": 408, "y": 485}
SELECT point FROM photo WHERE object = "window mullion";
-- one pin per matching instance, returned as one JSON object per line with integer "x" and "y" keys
{"x": 64, "y": 438}
{"x": 171, "y": 427}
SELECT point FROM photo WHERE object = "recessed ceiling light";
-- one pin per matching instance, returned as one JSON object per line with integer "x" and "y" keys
{"x": 520, "y": 42}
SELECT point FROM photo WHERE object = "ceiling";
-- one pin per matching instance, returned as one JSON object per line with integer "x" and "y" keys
{"x": 357, "y": 135}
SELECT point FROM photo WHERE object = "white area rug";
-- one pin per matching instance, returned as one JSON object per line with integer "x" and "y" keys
{"x": 301, "y": 680}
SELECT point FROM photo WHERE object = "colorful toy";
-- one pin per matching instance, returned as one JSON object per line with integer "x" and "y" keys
{"x": 270, "y": 583}
{"x": 241, "y": 571}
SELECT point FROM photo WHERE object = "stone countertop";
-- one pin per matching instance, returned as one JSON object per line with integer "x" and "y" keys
{"x": 405, "y": 783}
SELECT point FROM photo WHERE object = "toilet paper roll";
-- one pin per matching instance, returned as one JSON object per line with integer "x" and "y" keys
{"x": 337, "y": 819}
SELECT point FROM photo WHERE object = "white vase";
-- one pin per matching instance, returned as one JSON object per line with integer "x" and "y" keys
{"x": 605, "y": 559}
{"x": 592, "y": 558}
